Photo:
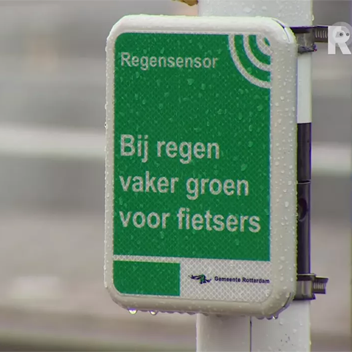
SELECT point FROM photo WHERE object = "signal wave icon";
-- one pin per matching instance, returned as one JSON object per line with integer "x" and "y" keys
{"x": 252, "y": 57}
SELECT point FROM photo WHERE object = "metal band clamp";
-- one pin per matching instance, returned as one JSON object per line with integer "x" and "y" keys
{"x": 308, "y": 285}
{"x": 308, "y": 36}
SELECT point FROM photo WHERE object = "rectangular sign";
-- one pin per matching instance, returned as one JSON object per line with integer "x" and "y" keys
{"x": 192, "y": 115}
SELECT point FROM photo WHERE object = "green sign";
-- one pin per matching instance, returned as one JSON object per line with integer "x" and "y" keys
{"x": 191, "y": 164}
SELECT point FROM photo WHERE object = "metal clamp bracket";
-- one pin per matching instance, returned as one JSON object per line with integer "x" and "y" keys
{"x": 308, "y": 36}
{"x": 308, "y": 285}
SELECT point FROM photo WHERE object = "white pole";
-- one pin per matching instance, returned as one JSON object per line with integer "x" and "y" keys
{"x": 220, "y": 334}
{"x": 291, "y": 331}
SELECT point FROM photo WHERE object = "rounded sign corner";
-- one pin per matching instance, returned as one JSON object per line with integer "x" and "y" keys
{"x": 120, "y": 299}
{"x": 277, "y": 301}
{"x": 281, "y": 35}
{"x": 120, "y": 27}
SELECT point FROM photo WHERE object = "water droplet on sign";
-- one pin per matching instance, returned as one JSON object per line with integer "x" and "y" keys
{"x": 133, "y": 311}
{"x": 243, "y": 167}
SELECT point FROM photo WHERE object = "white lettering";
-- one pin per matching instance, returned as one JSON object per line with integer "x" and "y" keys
{"x": 139, "y": 224}
{"x": 124, "y": 220}
{"x": 229, "y": 187}
{"x": 153, "y": 224}
{"x": 217, "y": 150}
{"x": 127, "y": 145}
{"x": 192, "y": 188}
{"x": 246, "y": 187}
{"x": 147, "y": 62}
{"x": 125, "y": 184}
{"x": 198, "y": 150}
{"x": 149, "y": 183}
{"x": 231, "y": 223}
{"x": 125, "y": 57}
{"x": 186, "y": 150}
{"x": 253, "y": 221}
{"x": 212, "y": 188}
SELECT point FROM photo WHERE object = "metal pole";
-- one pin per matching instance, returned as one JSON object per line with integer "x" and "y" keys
{"x": 291, "y": 331}
{"x": 219, "y": 333}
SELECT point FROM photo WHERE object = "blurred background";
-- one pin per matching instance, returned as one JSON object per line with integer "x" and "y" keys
{"x": 52, "y": 96}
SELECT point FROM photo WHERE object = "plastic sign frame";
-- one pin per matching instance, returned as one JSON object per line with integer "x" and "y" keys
{"x": 159, "y": 68}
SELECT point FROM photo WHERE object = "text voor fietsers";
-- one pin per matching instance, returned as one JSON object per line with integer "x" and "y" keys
{"x": 138, "y": 146}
